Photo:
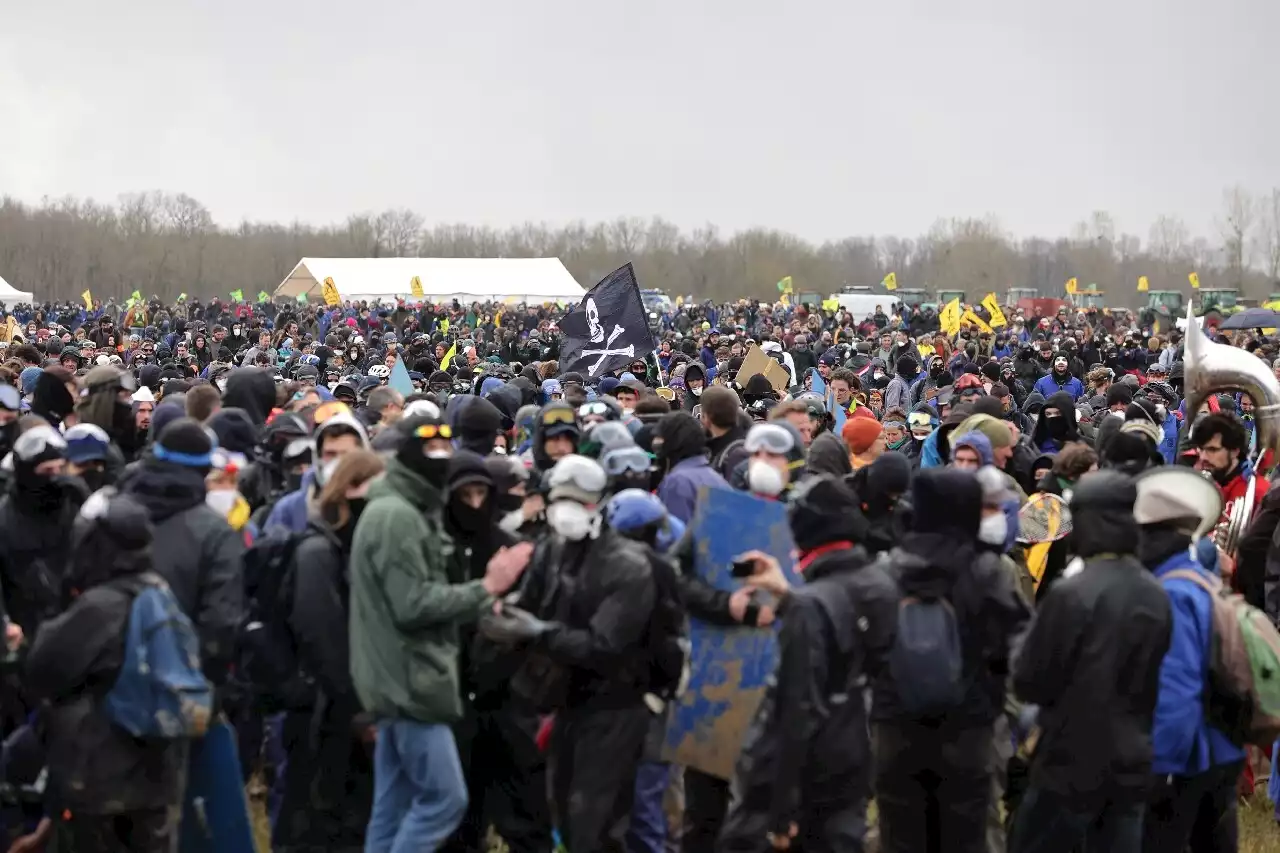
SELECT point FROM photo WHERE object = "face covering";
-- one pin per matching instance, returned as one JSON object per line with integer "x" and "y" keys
{"x": 8, "y": 433}
{"x": 467, "y": 518}
{"x": 1057, "y": 425}
{"x": 897, "y": 445}
{"x": 94, "y": 478}
{"x": 764, "y": 479}
{"x": 697, "y": 392}
{"x": 221, "y": 501}
{"x": 878, "y": 375}
{"x": 571, "y": 520}
{"x": 993, "y": 528}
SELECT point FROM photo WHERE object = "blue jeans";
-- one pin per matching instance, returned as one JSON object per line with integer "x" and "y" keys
{"x": 419, "y": 794}
{"x": 1049, "y": 823}
{"x": 648, "y": 830}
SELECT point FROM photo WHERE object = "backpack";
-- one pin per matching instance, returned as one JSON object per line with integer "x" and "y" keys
{"x": 668, "y": 636}
{"x": 266, "y": 650}
{"x": 926, "y": 660}
{"x": 718, "y": 463}
{"x": 1243, "y": 700}
{"x": 160, "y": 691}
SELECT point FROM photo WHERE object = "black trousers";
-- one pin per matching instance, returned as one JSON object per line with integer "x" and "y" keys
{"x": 592, "y": 768}
{"x": 1197, "y": 811}
{"x": 706, "y": 803}
{"x": 153, "y": 831}
{"x": 932, "y": 787}
{"x": 506, "y": 782}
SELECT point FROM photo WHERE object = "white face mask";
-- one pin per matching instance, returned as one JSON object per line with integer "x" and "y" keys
{"x": 878, "y": 375}
{"x": 993, "y": 529}
{"x": 764, "y": 479}
{"x": 221, "y": 501}
{"x": 697, "y": 392}
{"x": 438, "y": 454}
{"x": 572, "y": 520}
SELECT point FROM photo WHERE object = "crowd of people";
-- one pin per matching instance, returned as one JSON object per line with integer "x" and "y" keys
{"x": 458, "y": 608}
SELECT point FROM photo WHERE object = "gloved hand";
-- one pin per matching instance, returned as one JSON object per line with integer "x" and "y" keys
{"x": 512, "y": 625}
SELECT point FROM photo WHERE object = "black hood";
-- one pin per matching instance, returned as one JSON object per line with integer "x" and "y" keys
{"x": 1067, "y": 408}
{"x": 251, "y": 389}
{"x": 1102, "y": 515}
{"x": 828, "y": 455}
{"x": 164, "y": 488}
{"x": 682, "y": 437}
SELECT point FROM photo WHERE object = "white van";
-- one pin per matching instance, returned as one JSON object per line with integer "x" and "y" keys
{"x": 863, "y": 305}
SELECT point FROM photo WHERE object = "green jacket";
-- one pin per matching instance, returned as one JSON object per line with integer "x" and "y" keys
{"x": 404, "y": 612}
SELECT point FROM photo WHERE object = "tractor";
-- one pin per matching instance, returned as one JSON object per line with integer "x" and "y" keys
{"x": 1163, "y": 306}
{"x": 1218, "y": 302}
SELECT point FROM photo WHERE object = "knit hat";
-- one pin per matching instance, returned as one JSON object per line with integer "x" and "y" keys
{"x": 860, "y": 433}
{"x": 1119, "y": 394}
{"x": 975, "y": 441}
{"x": 945, "y": 500}
{"x": 28, "y": 379}
{"x": 235, "y": 431}
{"x": 185, "y": 442}
{"x": 824, "y": 510}
{"x": 86, "y": 443}
{"x": 996, "y": 430}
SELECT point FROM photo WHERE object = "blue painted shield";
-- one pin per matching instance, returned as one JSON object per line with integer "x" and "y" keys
{"x": 729, "y": 667}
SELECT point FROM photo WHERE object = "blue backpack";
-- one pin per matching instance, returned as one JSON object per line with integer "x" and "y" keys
{"x": 926, "y": 661}
{"x": 161, "y": 691}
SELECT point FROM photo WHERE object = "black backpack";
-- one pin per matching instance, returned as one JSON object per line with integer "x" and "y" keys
{"x": 266, "y": 650}
{"x": 668, "y": 636}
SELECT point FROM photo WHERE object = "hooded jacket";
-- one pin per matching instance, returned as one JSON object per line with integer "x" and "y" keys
{"x": 405, "y": 612}
{"x": 1043, "y": 437}
{"x": 684, "y": 451}
{"x": 1092, "y": 658}
{"x": 196, "y": 552}
{"x": 251, "y": 389}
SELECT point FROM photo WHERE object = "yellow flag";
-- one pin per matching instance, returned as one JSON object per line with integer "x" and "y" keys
{"x": 993, "y": 308}
{"x": 1143, "y": 284}
{"x": 415, "y": 287}
{"x": 330, "y": 292}
{"x": 1155, "y": 327}
{"x": 1194, "y": 278}
{"x": 890, "y": 281}
{"x": 88, "y": 300}
{"x": 949, "y": 319}
{"x": 1072, "y": 285}
{"x": 831, "y": 305}
{"x": 448, "y": 357}
{"x": 969, "y": 317}
{"x": 784, "y": 286}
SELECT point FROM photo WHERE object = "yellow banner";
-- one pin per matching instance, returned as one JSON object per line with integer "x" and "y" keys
{"x": 949, "y": 319}
{"x": 330, "y": 292}
{"x": 890, "y": 281}
{"x": 88, "y": 300}
{"x": 415, "y": 287}
{"x": 831, "y": 305}
{"x": 1072, "y": 285}
{"x": 1194, "y": 278}
{"x": 448, "y": 357}
{"x": 969, "y": 317}
{"x": 993, "y": 308}
{"x": 1143, "y": 284}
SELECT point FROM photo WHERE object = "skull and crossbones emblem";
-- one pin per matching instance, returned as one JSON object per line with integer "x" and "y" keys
{"x": 593, "y": 322}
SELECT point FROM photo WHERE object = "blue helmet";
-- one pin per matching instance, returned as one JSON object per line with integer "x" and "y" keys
{"x": 637, "y": 514}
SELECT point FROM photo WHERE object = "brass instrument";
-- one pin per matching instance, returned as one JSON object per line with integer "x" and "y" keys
{"x": 1210, "y": 368}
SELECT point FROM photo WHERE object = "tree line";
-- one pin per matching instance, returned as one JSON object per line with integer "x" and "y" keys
{"x": 168, "y": 244}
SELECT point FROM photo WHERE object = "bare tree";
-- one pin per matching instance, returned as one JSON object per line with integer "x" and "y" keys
{"x": 1269, "y": 235}
{"x": 1237, "y": 221}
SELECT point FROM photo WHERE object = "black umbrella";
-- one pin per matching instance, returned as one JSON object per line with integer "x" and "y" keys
{"x": 1252, "y": 318}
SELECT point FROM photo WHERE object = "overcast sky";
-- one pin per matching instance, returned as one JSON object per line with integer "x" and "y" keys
{"x": 827, "y": 118}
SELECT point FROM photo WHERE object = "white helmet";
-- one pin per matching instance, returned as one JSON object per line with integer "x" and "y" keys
{"x": 380, "y": 371}
{"x": 576, "y": 478}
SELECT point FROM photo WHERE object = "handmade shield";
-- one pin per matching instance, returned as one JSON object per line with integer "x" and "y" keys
{"x": 729, "y": 667}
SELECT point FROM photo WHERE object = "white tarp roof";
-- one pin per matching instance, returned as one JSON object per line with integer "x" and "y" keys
{"x": 11, "y": 296}
{"x": 466, "y": 279}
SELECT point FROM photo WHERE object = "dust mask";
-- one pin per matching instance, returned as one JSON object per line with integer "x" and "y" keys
{"x": 572, "y": 520}
{"x": 993, "y": 529}
{"x": 764, "y": 479}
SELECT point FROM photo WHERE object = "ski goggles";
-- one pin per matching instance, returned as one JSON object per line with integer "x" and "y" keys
{"x": 430, "y": 431}
{"x": 552, "y": 417}
{"x": 595, "y": 409}
{"x": 624, "y": 459}
{"x": 771, "y": 438}
{"x": 920, "y": 419}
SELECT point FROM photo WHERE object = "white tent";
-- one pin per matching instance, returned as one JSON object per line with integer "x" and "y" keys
{"x": 11, "y": 296}
{"x": 443, "y": 279}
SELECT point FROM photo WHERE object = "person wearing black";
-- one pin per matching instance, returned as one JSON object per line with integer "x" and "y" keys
{"x": 804, "y": 774}
{"x": 195, "y": 550}
{"x": 115, "y": 792}
{"x": 933, "y": 777}
{"x": 506, "y": 774}
{"x": 1091, "y": 662}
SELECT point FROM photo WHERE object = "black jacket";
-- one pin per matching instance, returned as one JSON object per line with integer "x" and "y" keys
{"x": 990, "y": 612}
{"x": 808, "y": 742}
{"x": 1092, "y": 663}
{"x": 600, "y": 594}
{"x": 37, "y": 545}
{"x": 197, "y": 552}
{"x": 94, "y": 766}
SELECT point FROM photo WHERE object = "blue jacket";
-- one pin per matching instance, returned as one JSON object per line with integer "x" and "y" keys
{"x": 1169, "y": 446}
{"x": 929, "y": 455}
{"x": 678, "y": 491}
{"x": 1182, "y": 742}
{"x": 290, "y": 512}
{"x": 1047, "y": 387}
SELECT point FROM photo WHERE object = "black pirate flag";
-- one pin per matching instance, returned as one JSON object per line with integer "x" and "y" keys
{"x": 607, "y": 330}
